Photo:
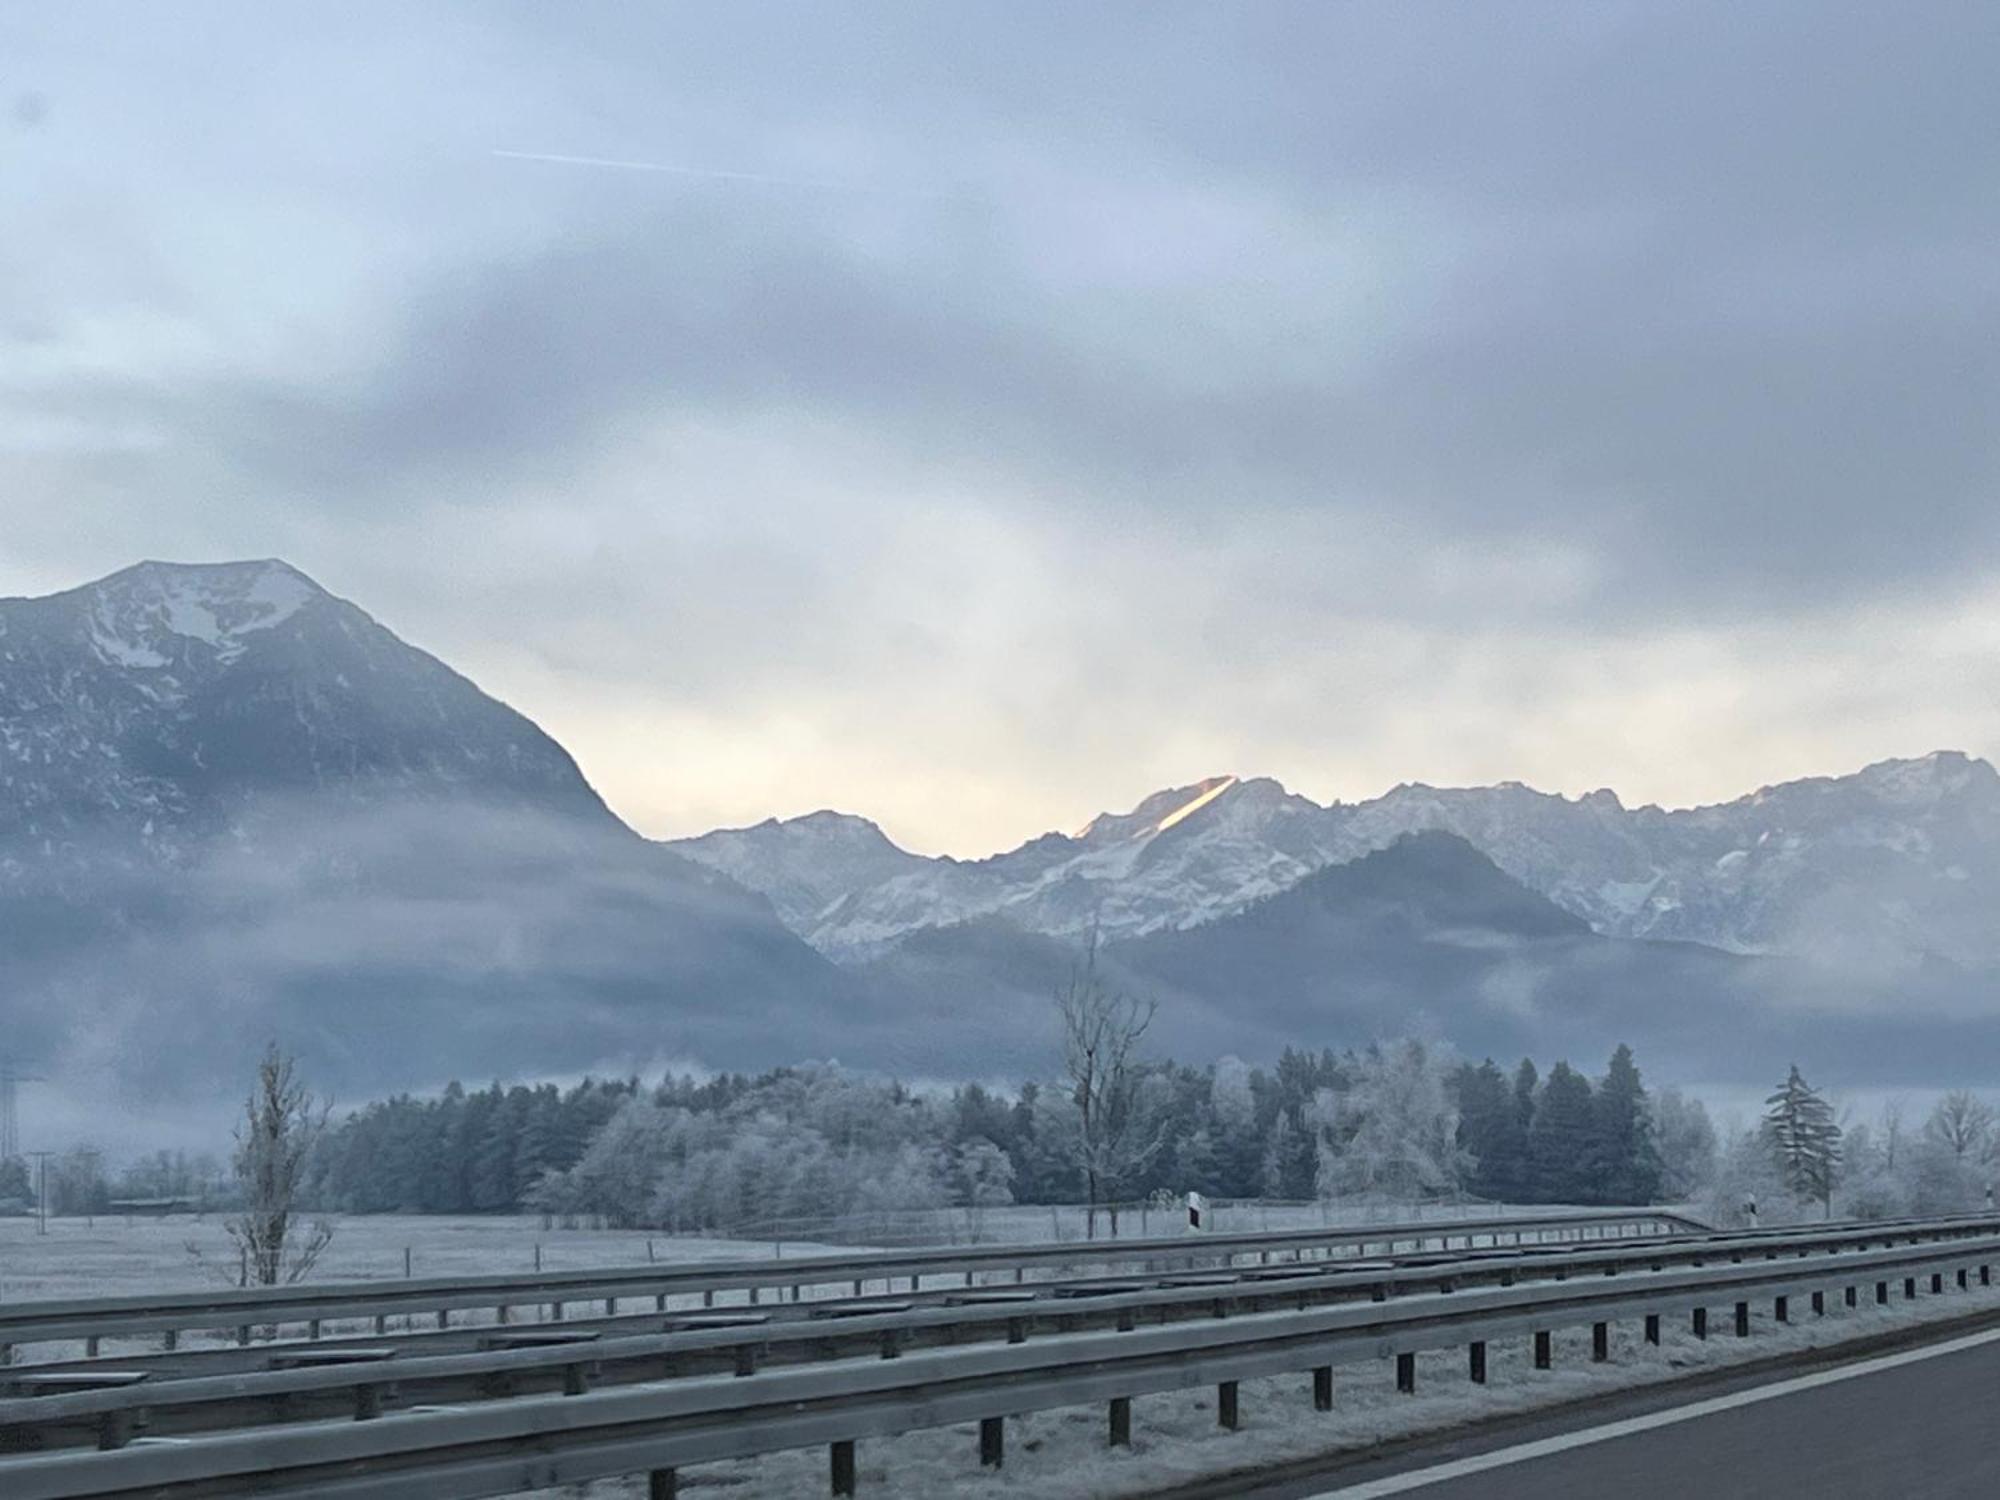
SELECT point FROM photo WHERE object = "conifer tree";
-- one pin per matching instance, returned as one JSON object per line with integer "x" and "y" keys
{"x": 1560, "y": 1139}
{"x": 1804, "y": 1139}
{"x": 1624, "y": 1163}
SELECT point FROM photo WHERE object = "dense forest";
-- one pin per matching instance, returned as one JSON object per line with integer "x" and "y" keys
{"x": 733, "y": 1151}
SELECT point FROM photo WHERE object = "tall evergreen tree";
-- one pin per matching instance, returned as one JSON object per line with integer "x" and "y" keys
{"x": 1804, "y": 1139}
{"x": 1527, "y": 1082}
{"x": 1624, "y": 1163}
{"x": 1559, "y": 1140}
{"x": 1489, "y": 1127}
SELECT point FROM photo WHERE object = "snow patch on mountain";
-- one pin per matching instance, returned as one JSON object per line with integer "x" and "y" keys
{"x": 1889, "y": 866}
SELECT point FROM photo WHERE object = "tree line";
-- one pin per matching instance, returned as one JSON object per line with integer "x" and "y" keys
{"x": 1395, "y": 1121}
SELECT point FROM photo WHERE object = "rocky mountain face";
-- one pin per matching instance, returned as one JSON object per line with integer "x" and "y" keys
{"x": 234, "y": 807}
{"x": 1892, "y": 867}
{"x": 167, "y": 705}
{"x": 1428, "y": 937}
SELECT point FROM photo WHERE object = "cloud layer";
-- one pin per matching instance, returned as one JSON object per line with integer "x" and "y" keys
{"x": 1032, "y": 406}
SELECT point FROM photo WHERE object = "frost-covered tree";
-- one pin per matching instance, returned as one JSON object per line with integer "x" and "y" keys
{"x": 1101, "y": 1032}
{"x": 1392, "y": 1130}
{"x": 1962, "y": 1124}
{"x": 982, "y": 1175}
{"x": 282, "y": 1121}
{"x": 1748, "y": 1172}
{"x": 1686, "y": 1143}
{"x": 1804, "y": 1139}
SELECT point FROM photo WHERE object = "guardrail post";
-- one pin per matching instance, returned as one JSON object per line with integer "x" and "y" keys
{"x": 1781, "y": 1308}
{"x": 169, "y": 1341}
{"x": 1881, "y": 1294}
{"x": 1819, "y": 1304}
{"x": 663, "y": 1484}
{"x": 610, "y": 1307}
{"x": 892, "y": 1344}
{"x": 1698, "y": 1324}
{"x": 1322, "y": 1387}
{"x": 1961, "y": 1278}
{"x": 576, "y": 1380}
{"x": 1743, "y": 1320}
{"x": 242, "y": 1333}
{"x": 444, "y": 1318}
{"x": 1600, "y": 1343}
{"x": 1225, "y": 1406}
{"x": 114, "y": 1430}
{"x": 1909, "y": 1288}
{"x": 90, "y": 1344}
{"x": 1121, "y": 1421}
{"x": 1544, "y": 1349}
{"x": 1652, "y": 1328}
{"x": 840, "y": 1460}
{"x": 1853, "y": 1296}
{"x": 1406, "y": 1373}
{"x": 381, "y": 1326}
{"x": 993, "y": 1441}
{"x": 1475, "y": 1362}
{"x": 746, "y": 1359}
{"x": 1985, "y": 1275}
{"x": 367, "y": 1402}
{"x": 1937, "y": 1283}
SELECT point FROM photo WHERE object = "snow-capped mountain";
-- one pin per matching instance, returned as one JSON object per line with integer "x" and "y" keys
{"x": 162, "y": 703}
{"x": 1897, "y": 863}
{"x": 234, "y": 806}
{"x": 1181, "y": 856}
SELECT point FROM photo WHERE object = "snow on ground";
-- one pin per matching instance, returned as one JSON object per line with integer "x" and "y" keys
{"x": 1062, "y": 1454}
{"x": 1028, "y": 1224}
{"x": 111, "y": 1257}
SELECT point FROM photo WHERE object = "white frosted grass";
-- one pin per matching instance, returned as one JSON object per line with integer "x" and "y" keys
{"x": 1062, "y": 1454}
{"x": 111, "y": 1257}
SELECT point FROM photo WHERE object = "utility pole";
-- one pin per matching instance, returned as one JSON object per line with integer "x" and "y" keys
{"x": 41, "y": 1190}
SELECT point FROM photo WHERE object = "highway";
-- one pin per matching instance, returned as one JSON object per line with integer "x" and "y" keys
{"x": 1918, "y": 1425}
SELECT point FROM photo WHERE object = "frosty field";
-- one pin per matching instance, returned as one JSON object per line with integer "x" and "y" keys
{"x": 112, "y": 1257}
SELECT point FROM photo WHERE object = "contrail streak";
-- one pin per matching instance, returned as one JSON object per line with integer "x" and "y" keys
{"x": 816, "y": 184}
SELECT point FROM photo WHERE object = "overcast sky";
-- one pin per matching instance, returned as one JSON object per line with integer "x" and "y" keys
{"x": 979, "y": 415}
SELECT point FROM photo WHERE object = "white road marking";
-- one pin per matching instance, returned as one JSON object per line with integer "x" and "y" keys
{"x": 1521, "y": 1453}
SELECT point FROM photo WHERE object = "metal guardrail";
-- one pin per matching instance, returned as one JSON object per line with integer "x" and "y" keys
{"x": 533, "y": 1441}
{"x": 242, "y": 1310}
{"x": 358, "y": 1379}
{"x": 937, "y": 1313}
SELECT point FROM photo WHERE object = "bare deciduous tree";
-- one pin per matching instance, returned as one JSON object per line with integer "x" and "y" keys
{"x": 1962, "y": 1125}
{"x": 281, "y": 1122}
{"x": 1102, "y": 1029}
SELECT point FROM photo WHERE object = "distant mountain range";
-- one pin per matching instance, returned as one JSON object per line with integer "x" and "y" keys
{"x": 233, "y": 806}
{"x": 1890, "y": 868}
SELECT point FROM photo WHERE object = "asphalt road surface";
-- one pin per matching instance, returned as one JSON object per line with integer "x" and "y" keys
{"x": 1914, "y": 1426}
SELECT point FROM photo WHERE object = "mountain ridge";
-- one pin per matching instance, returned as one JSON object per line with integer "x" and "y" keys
{"x": 1840, "y": 866}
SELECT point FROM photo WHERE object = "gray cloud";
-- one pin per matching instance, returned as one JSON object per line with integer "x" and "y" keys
{"x": 1419, "y": 318}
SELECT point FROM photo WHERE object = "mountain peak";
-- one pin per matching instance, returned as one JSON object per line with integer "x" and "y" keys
{"x": 1156, "y": 813}
{"x": 139, "y": 615}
